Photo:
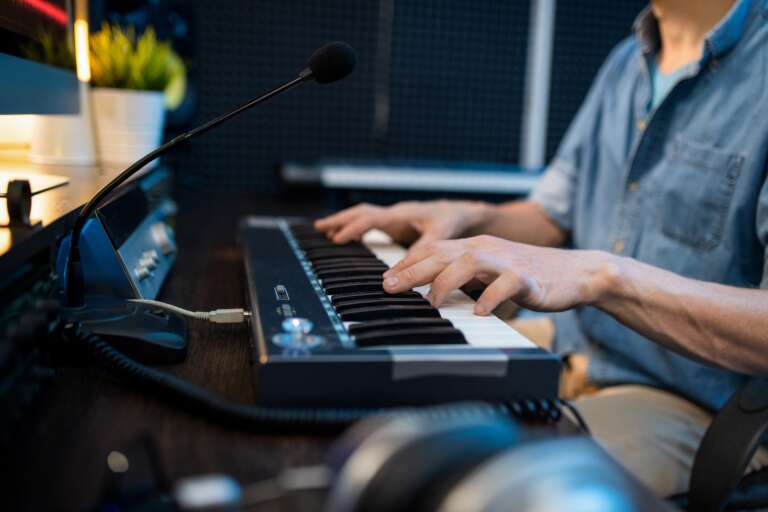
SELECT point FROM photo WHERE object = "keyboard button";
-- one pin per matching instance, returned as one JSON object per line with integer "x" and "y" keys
{"x": 354, "y": 286}
{"x": 360, "y": 303}
{"x": 431, "y": 336}
{"x": 398, "y": 324}
{"x": 381, "y": 312}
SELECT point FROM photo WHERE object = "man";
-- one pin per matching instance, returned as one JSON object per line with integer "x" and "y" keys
{"x": 660, "y": 189}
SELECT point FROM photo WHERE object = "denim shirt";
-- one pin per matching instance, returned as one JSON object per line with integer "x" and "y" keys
{"x": 682, "y": 187}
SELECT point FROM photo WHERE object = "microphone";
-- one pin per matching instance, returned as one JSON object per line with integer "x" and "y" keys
{"x": 332, "y": 62}
{"x": 328, "y": 64}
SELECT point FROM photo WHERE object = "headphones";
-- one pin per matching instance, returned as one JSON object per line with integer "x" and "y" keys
{"x": 473, "y": 458}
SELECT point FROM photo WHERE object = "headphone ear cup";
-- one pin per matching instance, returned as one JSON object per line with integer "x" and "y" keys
{"x": 409, "y": 462}
{"x": 418, "y": 476}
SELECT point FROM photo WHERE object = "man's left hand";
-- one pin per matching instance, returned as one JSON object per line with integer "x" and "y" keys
{"x": 538, "y": 278}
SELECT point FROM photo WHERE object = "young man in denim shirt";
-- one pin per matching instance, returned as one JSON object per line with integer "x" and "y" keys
{"x": 659, "y": 190}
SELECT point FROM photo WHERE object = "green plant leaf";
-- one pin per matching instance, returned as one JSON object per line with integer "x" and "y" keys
{"x": 121, "y": 59}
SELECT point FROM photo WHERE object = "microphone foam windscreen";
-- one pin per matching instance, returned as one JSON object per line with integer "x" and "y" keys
{"x": 332, "y": 62}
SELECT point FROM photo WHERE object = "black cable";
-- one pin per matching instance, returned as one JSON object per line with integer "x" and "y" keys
{"x": 576, "y": 414}
{"x": 278, "y": 419}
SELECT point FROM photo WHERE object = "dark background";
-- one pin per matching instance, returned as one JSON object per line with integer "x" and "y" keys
{"x": 451, "y": 73}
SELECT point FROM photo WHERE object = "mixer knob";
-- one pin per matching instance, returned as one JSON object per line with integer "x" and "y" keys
{"x": 163, "y": 236}
{"x": 142, "y": 272}
{"x": 149, "y": 262}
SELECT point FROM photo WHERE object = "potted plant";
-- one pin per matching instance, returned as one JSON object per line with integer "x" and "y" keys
{"x": 134, "y": 80}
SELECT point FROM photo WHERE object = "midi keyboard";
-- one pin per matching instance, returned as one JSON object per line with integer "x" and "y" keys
{"x": 323, "y": 331}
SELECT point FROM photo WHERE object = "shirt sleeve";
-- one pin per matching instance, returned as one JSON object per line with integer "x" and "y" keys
{"x": 555, "y": 190}
{"x": 762, "y": 229}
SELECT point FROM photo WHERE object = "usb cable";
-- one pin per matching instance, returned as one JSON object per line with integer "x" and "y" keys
{"x": 218, "y": 316}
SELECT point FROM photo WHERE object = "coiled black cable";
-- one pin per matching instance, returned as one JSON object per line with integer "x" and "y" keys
{"x": 577, "y": 415}
{"x": 274, "y": 419}
{"x": 282, "y": 419}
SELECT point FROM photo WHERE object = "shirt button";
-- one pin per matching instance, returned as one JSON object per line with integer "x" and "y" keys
{"x": 641, "y": 124}
{"x": 633, "y": 187}
{"x": 618, "y": 246}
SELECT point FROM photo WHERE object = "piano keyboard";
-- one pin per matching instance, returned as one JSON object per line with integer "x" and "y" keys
{"x": 325, "y": 333}
{"x": 479, "y": 331}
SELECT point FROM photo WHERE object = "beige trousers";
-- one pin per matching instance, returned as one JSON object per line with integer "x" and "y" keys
{"x": 653, "y": 433}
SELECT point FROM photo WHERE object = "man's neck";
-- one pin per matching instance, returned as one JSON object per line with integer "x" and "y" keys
{"x": 683, "y": 25}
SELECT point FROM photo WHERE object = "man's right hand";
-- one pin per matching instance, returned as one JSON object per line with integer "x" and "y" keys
{"x": 418, "y": 222}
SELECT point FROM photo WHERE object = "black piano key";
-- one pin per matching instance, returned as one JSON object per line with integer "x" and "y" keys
{"x": 381, "y": 312}
{"x": 353, "y": 277}
{"x": 341, "y": 257}
{"x": 354, "y": 271}
{"x": 398, "y": 324}
{"x": 348, "y": 263}
{"x": 327, "y": 244}
{"x": 304, "y": 237}
{"x": 380, "y": 294}
{"x": 363, "y": 303}
{"x": 430, "y": 336}
{"x": 335, "y": 252}
{"x": 354, "y": 286}
{"x": 300, "y": 228}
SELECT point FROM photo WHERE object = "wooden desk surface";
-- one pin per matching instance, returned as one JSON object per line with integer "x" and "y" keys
{"x": 60, "y": 460}
{"x": 52, "y": 211}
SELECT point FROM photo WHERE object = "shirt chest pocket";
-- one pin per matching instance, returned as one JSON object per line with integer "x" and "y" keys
{"x": 695, "y": 192}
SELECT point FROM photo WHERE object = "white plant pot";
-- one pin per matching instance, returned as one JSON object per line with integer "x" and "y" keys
{"x": 129, "y": 124}
{"x": 64, "y": 139}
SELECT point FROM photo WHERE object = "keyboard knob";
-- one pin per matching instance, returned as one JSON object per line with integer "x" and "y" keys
{"x": 296, "y": 335}
{"x": 297, "y": 326}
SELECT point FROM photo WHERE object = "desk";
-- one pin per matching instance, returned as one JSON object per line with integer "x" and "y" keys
{"x": 53, "y": 211}
{"x": 60, "y": 460}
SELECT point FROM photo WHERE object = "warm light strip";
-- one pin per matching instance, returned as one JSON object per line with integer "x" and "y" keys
{"x": 81, "y": 51}
{"x": 53, "y": 12}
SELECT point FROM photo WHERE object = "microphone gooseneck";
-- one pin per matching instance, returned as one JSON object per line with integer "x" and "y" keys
{"x": 330, "y": 63}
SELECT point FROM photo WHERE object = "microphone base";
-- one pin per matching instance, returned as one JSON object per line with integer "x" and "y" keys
{"x": 143, "y": 332}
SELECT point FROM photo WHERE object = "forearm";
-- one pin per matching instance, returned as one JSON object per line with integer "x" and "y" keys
{"x": 520, "y": 221}
{"x": 721, "y": 325}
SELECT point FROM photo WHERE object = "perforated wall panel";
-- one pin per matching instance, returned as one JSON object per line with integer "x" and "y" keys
{"x": 454, "y": 82}
{"x": 585, "y": 33}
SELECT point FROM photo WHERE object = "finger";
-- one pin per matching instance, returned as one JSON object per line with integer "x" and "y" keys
{"x": 338, "y": 219}
{"x": 426, "y": 238}
{"x": 507, "y": 285}
{"x": 331, "y": 233}
{"x": 419, "y": 274}
{"x": 413, "y": 256}
{"x": 355, "y": 229}
{"x": 417, "y": 251}
{"x": 455, "y": 275}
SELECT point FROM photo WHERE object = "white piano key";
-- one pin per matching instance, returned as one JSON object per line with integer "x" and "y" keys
{"x": 480, "y": 331}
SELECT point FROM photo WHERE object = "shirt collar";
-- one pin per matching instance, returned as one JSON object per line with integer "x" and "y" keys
{"x": 720, "y": 39}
